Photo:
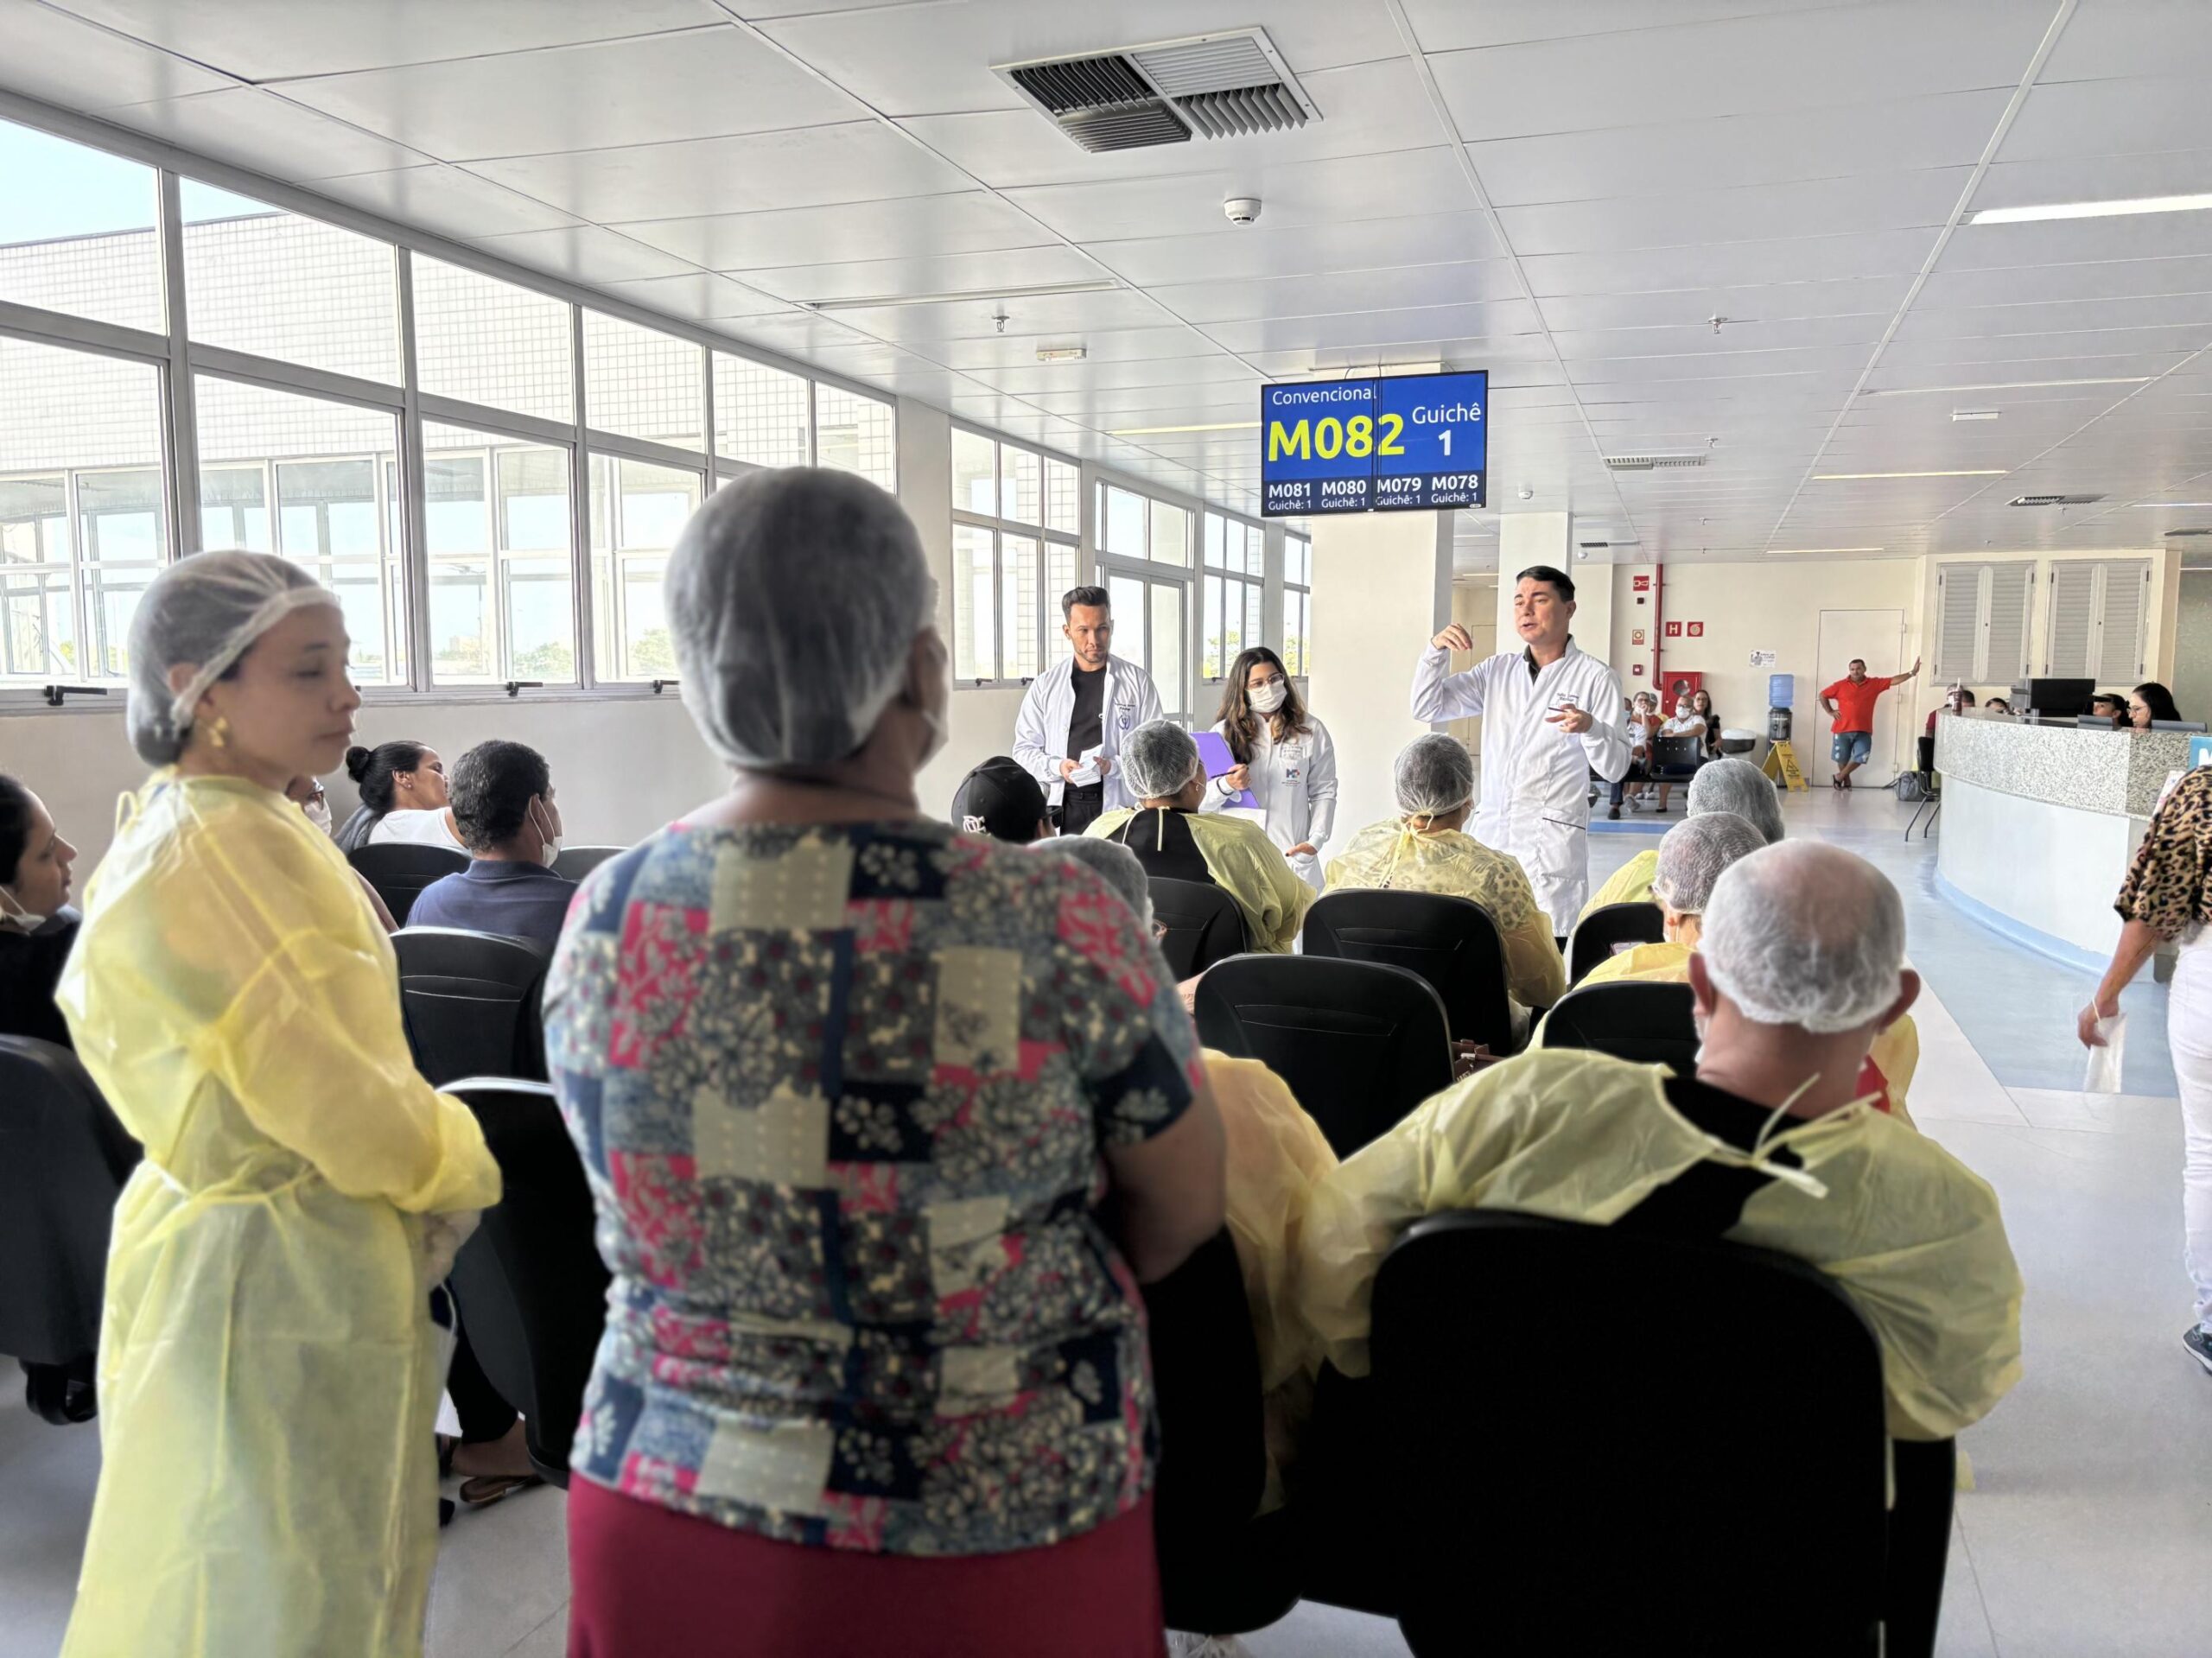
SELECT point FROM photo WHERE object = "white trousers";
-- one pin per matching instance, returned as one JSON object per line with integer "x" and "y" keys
{"x": 2188, "y": 1033}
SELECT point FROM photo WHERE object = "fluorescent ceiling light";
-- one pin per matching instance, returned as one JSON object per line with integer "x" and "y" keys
{"x": 2091, "y": 209}
{"x": 2006, "y": 385}
{"x": 1042, "y": 290}
{"x": 1159, "y": 431}
{"x": 1968, "y": 471}
{"x": 1974, "y": 414}
{"x": 1826, "y": 549}
{"x": 1062, "y": 354}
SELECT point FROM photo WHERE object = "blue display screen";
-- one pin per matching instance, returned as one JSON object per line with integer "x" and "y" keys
{"x": 1402, "y": 442}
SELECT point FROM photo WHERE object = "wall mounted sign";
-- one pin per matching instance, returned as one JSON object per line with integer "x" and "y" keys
{"x": 1673, "y": 630}
{"x": 1397, "y": 443}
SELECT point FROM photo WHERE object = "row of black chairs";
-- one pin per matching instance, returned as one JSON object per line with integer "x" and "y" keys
{"x": 400, "y": 871}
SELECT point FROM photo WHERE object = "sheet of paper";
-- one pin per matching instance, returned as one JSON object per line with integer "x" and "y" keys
{"x": 1086, "y": 770}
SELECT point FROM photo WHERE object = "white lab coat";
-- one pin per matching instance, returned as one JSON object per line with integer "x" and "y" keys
{"x": 1040, "y": 730}
{"x": 1296, "y": 784}
{"x": 1535, "y": 778}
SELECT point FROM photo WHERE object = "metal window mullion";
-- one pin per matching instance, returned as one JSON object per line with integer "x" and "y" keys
{"x": 414, "y": 493}
{"x": 580, "y": 554}
{"x": 182, "y": 490}
{"x": 223, "y": 364}
{"x": 483, "y": 417}
{"x": 707, "y": 412}
{"x": 86, "y": 333}
{"x": 80, "y": 611}
{"x": 652, "y": 454}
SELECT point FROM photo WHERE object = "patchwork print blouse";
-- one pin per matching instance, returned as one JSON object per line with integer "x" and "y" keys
{"x": 841, "y": 1093}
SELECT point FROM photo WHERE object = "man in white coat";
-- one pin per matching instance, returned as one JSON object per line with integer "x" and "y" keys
{"x": 1551, "y": 715}
{"x": 1077, "y": 713}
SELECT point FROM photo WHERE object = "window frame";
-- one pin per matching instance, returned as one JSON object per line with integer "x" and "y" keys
{"x": 1242, "y": 579}
{"x": 1303, "y": 671}
{"x": 1000, "y": 529}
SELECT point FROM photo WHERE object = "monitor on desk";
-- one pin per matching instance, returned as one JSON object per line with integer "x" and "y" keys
{"x": 2062, "y": 698}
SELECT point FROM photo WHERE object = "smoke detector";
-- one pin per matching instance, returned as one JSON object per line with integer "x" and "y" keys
{"x": 1228, "y": 85}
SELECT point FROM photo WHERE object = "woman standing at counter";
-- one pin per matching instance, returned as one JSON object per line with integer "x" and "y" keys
{"x": 2148, "y": 701}
{"x": 2168, "y": 895}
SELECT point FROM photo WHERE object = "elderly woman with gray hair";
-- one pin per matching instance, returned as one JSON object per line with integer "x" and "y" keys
{"x": 1735, "y": 786}
{"x": 885, "y": 1126}
{"x": 1172, "y": 839}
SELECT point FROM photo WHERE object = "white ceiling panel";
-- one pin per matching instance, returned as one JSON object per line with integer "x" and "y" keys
{"x": 697, "y": 296}
{"x": 2132, "y": 38}
{"x": 1293, "y": 195}
{"x": 262, "y": 40}
{"x": 2058, "y": 316}
{"x": 2080, "y": 118}
{"x": 1700, "y": 338}
{"x": 1454, "y": 25}
{"x": 2018, "y": 285}
{"x": 2079, "y": 241}
{"x": 1763, "y": 302}
{"x": 1804, "y": 258}
{"x": 75, "y": 65}
{"x": 954, "y": 273}
{"x": 584, "y": 253}
{"x": 2095, "y": 178}
{"x": 1715, "y": 365}
{"x": 701, "y": 83}
{"x": 1368, "y": 109}
{"x": 1821, "y": 207}
{"x": 250, "y": 128}
{"x": 2014, "y": 348}
{"x": 1436, "y": 322}
{"x": 1403, "y": 287}
{"x": 857, "y": 161}
{"x": 797, "y": 335}
{"x": 1263, "y": 252}
{"x": 1058, "y": 314}
{"x": 1770, "y": 65}
{"x": 445, "y": 199}
{"x": 1197, "y": 369}
{"x": 917, "y": 227}
{"x": 1168, "y": 343}
{"x": 934, "y": 59}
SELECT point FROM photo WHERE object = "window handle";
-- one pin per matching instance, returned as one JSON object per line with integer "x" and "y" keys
{"x": 660, "y": 685}
{"x": 54, "y": 694}
{"x": 516, "y": 687}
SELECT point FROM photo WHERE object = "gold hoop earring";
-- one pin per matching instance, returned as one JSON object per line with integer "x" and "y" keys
{"x": 218, "y": 732}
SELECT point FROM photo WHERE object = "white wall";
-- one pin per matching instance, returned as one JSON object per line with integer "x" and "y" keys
{"x": 1474, "y": 606}
{"x": 2191, "y": 681}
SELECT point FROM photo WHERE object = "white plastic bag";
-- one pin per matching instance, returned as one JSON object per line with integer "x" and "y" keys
{"x": 2103, "y": 1075}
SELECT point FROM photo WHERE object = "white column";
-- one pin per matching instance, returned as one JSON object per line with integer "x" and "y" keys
{"x": 1381, "y": 588}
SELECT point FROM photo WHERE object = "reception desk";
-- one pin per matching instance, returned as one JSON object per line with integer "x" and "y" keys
{"x": 2040, "y": 822}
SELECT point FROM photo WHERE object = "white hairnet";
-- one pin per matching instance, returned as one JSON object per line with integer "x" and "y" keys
{"x": 1807, "y": 935}
{"x": 1693, "y": 853}
{"x": 794, "y": 599}
{"x": 1122, "y": 868}
{"x": 1159, "y": 758}
{"x": 1737, "y": 786}
{"x": 207, "y": 610}
{"x": 1435, "y": 774}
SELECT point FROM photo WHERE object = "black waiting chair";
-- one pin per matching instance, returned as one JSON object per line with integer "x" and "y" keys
{"x": 530, "y": 1284}
{"x": 63, "y": 1161}
{"x": 472, "y": 1003}
{"x": 1450, "y": 941}
{"x": 1674, "y": 759}
{"x": 1359, "y": 1043}
{"x": 399, "y": 873}
{"x": 1203, "y": 925}
{"x": 1597, "y": 933}
{"x": 1682, "y": 1508}
{"x": 575, "y": 862}
{"x": 1649, "y": 1024}
{"x": 1222, "y": 1572}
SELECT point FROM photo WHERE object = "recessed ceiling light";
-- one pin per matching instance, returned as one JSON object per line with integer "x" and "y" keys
{"x": 2004, "y": 385}
{"x": 1825, "y": 549}
{"x": 1042, "y": 290}
{"x": 1062, "y": 354}
{"x": 1966, "y": 471}
{"x": 2119, "y": 209}
{"x": 1974, "y": 414}
{"x": 1158, "y": 431}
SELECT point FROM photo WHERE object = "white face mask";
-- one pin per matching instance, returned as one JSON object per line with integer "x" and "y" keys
{"x": 318, "y": 812}
{"x": 549, "y": 842}
{"x": 1267, "y": 698}
{"x": 28, "y": 920}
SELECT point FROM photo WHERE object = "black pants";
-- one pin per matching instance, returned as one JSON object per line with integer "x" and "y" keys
{"x": 1080, "y": 808}
{"x": 485, "y": 1416}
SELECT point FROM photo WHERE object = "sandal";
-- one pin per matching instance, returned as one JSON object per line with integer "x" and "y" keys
{"x": 482, "y": 1490}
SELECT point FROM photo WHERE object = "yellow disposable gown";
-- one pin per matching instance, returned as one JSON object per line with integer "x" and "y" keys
{"x": 268, "y": 1375}
{"x": 1890, "y": 1062}
{"x": 1906, "y": 1230}
{"x": 1247, "y": 865}
{"x": 1630, "y": 884}
{"x": 1276, "y": 1154}
{"x": 1390, "y": 854}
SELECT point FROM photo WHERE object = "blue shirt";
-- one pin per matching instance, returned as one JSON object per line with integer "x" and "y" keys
{"x": 515, "y": 901}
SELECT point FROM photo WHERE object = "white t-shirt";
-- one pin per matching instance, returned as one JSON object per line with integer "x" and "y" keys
{"x": 414, "y": 828}
{"x": 1683, "y": 725}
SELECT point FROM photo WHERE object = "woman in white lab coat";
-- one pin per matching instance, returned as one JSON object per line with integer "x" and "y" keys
{"x": 1284, "y": 758}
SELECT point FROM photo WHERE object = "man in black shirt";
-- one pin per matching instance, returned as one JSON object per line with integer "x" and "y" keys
{"x": 1076, "y": 715}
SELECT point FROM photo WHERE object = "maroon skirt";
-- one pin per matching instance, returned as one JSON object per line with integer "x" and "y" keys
{"x": 648, "y": 1582}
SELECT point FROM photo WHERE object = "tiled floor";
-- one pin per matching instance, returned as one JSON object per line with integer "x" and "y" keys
{"x": 2091, "y": 1526}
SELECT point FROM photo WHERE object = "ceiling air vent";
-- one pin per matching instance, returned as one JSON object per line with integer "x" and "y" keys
{"x": 1226, "y": 86}
{"x": 2054, "y": 500}
{"x": 1656, "y": 462}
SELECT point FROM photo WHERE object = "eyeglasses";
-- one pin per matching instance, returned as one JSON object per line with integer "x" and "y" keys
{"x": 1268, "y": 684}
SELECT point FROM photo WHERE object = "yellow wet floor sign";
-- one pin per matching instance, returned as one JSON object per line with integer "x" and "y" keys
{"x": 1781, "y": 764}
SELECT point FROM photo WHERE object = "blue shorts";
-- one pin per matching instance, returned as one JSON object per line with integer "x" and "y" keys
{"x": 1857, "y": 746}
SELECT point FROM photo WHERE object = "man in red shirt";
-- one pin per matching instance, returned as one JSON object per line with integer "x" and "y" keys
{"x": 1851, "y": 699}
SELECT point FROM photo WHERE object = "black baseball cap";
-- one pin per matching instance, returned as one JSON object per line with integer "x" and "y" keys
{"x": 998, "y": 799}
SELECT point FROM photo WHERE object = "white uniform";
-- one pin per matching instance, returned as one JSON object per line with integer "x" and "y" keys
{"x": 1296, "y": 784}
{"x": 1535, "y": 777}
{"x": 1040, "y": 730}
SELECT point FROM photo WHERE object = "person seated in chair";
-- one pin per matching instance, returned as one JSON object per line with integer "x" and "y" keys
{"x": 1428, "y": 850}
{"x": 1002, "y": 800}
{"x": 1728, "y": 784}
{"x": 1173, "y": 840}
{"x": 37, "y": 926}
{"x": 1801, "y": 965}
{"x": 503, "y": 804}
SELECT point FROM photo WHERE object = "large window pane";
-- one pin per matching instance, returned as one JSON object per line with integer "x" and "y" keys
{"x": 1171, "y": 534}
{"x": 1062, "y": 499}
{"x": 77, "y": 230}
{"x": 641, "y": 383}
{"x": 1020, "y": 600}
{"x": 856, "y": 433}
{"x": 974, "y": 606}
{"x": 637, "y": 512}
{"x": 258, "y": 279}
{"x": 83, "y": 524}
{"x": 502, "y": 597}
{"x": 1059, "y": 576}
{"x": 1125, "y": 598}
{"x": 1166, "y": 647}
{"x": 1021, "y": 486}
{"x": 1122, "y": 531}
{"x": 759, "y": 413}
{"x": 316, "y": 482}
{"x": 490, "y": 342}
{"x": 973, "y": 486}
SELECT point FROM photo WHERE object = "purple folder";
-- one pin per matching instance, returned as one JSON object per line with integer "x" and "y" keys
{"x": 1214, "y": 756}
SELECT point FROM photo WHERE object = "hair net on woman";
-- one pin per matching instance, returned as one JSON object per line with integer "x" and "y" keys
{"x": 794, "y": 598}
{"x": 1804, "y": 934}
{"x": 1159, "y": 758}
{"x": 1120, "y": 868}
{"x": 1737, "y": 786}
{"x": 1435, "y": 774}
{"x": 207, "y": 610}
{"x": 1692, "y": 854}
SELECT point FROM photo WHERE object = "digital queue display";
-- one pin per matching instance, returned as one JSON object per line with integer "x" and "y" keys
{"x": 1391, "y": 444}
